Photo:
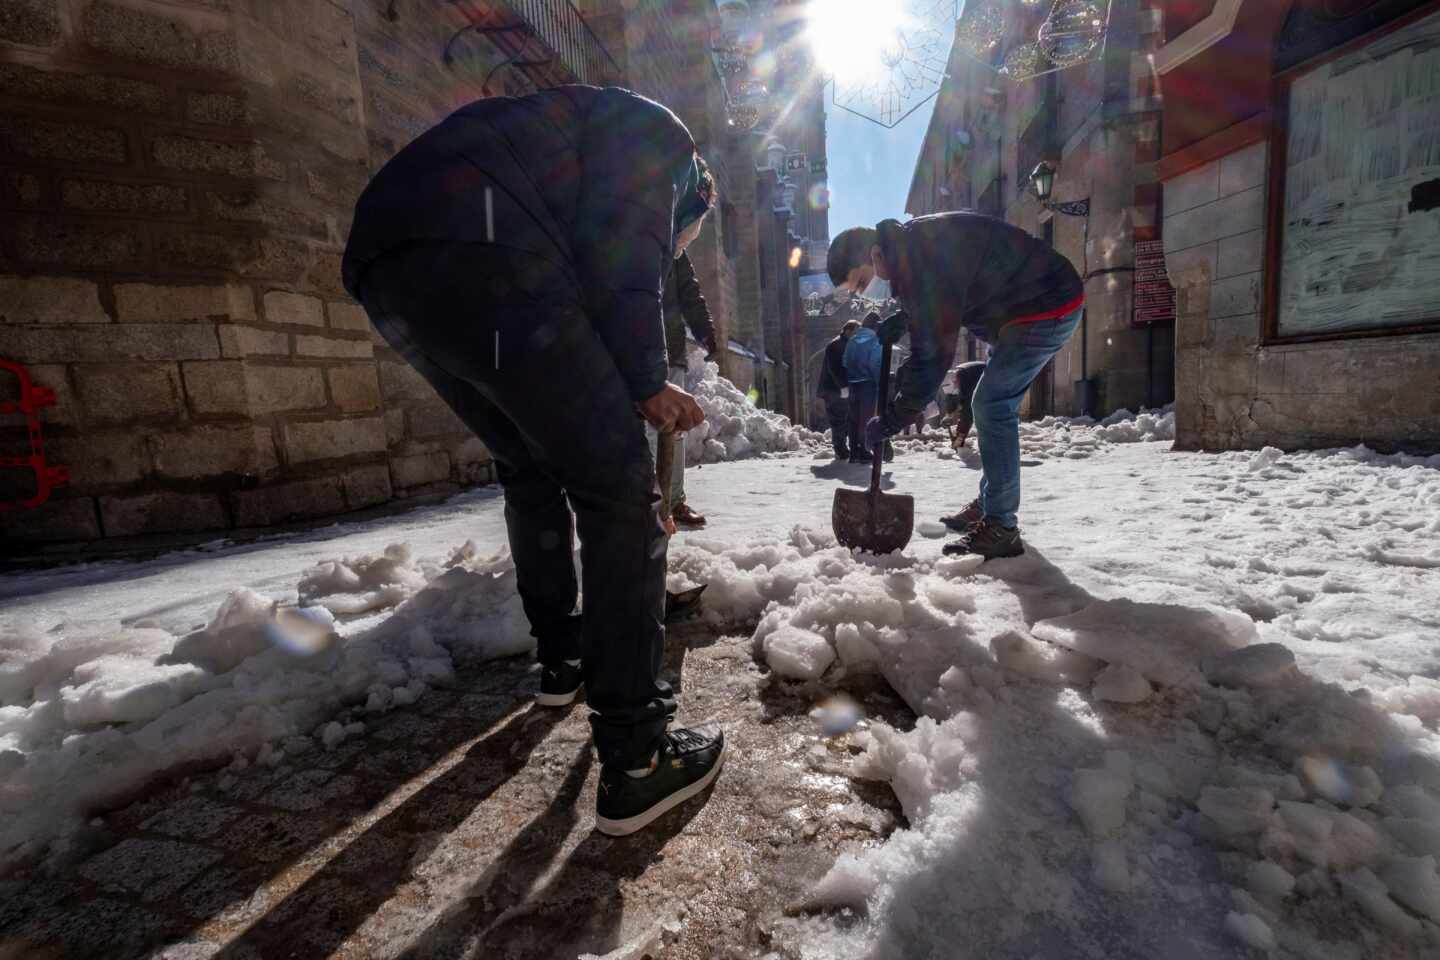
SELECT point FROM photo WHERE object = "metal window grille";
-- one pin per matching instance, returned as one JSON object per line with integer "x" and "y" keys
{"x": 558, "y": 25}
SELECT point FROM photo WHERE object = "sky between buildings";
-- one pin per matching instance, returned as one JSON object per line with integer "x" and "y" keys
{"x": 869, "y": 166}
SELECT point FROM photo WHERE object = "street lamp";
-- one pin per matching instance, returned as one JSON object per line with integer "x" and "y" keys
{"x": 1042, "y": 179}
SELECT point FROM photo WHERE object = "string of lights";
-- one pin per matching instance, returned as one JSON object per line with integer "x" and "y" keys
{"x": 884, "y": 61}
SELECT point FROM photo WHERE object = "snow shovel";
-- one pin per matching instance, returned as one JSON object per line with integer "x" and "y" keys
{"x": 683, "y": 605}
{"x": 868, "y": 519}
{"x": 686, "y": 603}
{"x": 664, "y": 471}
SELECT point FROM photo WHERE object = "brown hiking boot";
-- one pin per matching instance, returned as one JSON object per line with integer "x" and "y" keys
{"x": 685, "y": 517}
{"x": 989, "y": 540}
{"x": 966, "y": 519}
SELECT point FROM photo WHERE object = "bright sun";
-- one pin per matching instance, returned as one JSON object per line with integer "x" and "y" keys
{"x": 856, "y": 40}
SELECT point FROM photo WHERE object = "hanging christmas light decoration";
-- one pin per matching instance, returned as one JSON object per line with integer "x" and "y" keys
{"x": 1072, "y": 33}
{"x": 1024, "y": 62}
{"x": 982, "y": 29}
{"x": 744, "y": 116}
{"x": 736, "y": 53}
{"x": 731, "y": 59}
{"x": 883, "y": 60}
{"x": 751, "y": 89}
{"x": 1020, "y": 41}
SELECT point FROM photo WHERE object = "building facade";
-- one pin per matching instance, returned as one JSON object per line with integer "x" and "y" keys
{"x": 1098, "y": 125}
{"x": 1301, "y": 171}
{"x": 176, "y": 183}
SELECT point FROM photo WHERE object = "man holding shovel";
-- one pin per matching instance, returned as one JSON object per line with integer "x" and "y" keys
{"x": 965, "y": 270}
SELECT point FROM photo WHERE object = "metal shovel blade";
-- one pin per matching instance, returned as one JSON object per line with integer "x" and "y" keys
{"x": 868, "y": 519}
{"x": 873, "y": 521}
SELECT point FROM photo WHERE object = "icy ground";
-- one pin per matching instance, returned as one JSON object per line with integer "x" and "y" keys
{"x": 1197, "y": 719}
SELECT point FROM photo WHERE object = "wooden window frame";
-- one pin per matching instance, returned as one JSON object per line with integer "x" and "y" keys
{"x": 1275, "y": 194}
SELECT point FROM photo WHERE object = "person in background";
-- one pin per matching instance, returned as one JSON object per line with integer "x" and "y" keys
{"x": 514, "y": 255}
{"x": 862, "y": 370}
{"x": 1013, "y": 291}
{"x": 684, "y": 306}
{"x": 958, "y": 411}
{"x": 834, "y": 390}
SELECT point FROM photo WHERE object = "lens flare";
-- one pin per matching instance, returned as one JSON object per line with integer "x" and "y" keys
{"x": 302, "y": 631}
{"x": 857, "y": 39}
{"x": 796, "y": 255}
{"x": 838, "y": 715}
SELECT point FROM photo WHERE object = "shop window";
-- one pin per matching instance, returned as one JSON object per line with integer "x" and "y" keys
{"x": 1354, "y": 219}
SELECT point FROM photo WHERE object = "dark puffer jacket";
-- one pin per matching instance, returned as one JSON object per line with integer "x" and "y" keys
{"x": 587, "y": 179}
{"x": 954, "y": 270}
{"x": 832, "y": 373}
{"x": 684, "y": 306}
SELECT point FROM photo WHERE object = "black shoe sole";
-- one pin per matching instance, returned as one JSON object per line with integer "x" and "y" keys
{"x": 623, "y": 828}
{"x": 952, "y": 550}
{"x": 959, "y": 526}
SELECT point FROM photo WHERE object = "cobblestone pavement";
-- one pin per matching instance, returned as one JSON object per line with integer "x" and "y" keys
{"x": 463, "y": 827}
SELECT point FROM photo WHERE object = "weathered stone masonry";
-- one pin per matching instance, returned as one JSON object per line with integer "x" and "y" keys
{"x": 176, "y": 181}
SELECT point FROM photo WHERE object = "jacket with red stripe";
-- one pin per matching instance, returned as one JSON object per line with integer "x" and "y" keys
{"x": 966, "y": 270}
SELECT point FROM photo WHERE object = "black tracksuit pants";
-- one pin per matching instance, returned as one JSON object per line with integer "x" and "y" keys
{"x": 837, "y": 411}
{"x": 502, "y": 337}
{"x": 863, "y": 394}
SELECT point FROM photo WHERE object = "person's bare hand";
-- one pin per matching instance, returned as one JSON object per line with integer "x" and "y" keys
{"x": 672, "y": 409}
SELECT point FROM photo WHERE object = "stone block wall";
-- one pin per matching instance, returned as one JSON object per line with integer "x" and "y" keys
{"x": 663, "y": 50}
{"x": 1232, "y": 391}
{"x": 176, "y": 183}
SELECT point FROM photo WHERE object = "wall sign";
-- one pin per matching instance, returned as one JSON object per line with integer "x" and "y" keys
{"x": 1154, "y": 297}
{"x": 795, "y": 163}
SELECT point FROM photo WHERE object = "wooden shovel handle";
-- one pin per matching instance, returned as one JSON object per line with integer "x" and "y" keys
{"x": 882, "y": 402}
{"x": 664, "y": 471}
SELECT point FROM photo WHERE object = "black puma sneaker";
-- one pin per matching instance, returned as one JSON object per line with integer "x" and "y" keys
{"x": 559, "y": 684}
{"x": 685, "y": 764}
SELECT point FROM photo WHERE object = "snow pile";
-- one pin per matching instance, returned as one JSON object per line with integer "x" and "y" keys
{"x": 91, "y": 711}
{"x": 1252, "y": 805}
{"x": 1079, "y": 438}
{"x": 363, "y": 584}
{"x": 1147, "y": 426}
{"x": 735, "y": 428}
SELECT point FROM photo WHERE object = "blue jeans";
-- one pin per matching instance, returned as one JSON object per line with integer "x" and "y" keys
{"x": 1018, "y": 354}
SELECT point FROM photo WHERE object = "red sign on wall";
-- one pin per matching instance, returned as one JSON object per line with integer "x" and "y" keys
{"x": 1154, "y": 297}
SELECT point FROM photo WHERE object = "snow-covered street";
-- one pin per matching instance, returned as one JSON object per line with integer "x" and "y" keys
{"x": 1196, "y": 719}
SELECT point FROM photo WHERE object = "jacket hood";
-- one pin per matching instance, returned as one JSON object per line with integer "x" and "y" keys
{"x": 695, "y": 193}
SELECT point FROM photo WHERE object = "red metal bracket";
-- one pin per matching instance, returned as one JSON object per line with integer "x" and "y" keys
{"x": 47, "y": 476}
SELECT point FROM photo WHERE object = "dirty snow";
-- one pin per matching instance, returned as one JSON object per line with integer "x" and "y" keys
{"x": 1197, "y": 718}
{"x": 90, "y": 711}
